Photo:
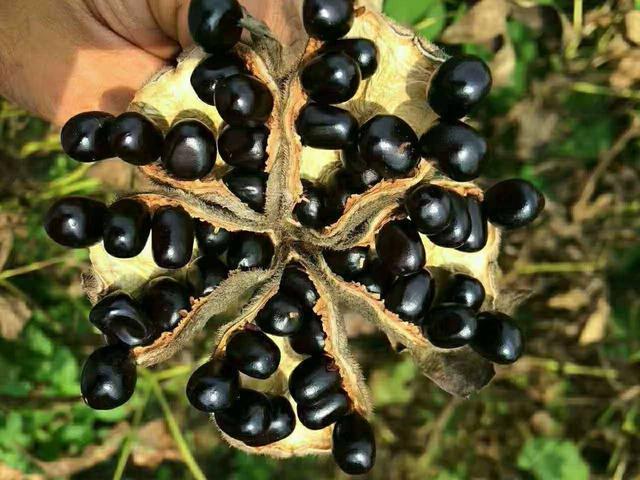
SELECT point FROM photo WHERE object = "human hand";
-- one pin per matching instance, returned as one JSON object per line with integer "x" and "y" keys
{"x": 62, "y": 57}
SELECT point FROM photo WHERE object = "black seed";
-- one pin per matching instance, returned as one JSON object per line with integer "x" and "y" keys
{"x": 282, "y": 424}
{"x": 479, "y": 235}
{"x": 126, "y": 228}
{"x": 347, "y": 263}
{"x": 249, "y": 250}
{"x": 450, "y": 325}
{"x": 389, "y": 144}
{"x": 248, "y": 417}
{"x": 310, "y": 339}
{"x": 253, "y": 353}
{"x": 410, "y": 297}
{"x": 400, "y": 248}
{"x": 330, "y": 78}
{"x": 172, "y": 233}
{"x": 211, "y": 70}
{"x": 108, "y": 378}
{"x": 119, "y": 316}
{"x": 135, "y": 139}
{"x": 298, "y": 285}
{"x": 249, "y": 186}
{"x": 212, "y": 240}
{"x": 362, "y": 175}
{"x": 498, "y": 338}
{"x": 513, "y": 203}
{"x": 282, "y": 315}
{"x": 323, "y": 412}
{"x": 464, "y": 290}
{"x": 215, "y": 24}
{"x": 459, "y": 229}
{"x": 327, "y": 19}
{"x": 458, "y": 86}
{"x": 376, "y": 278}
{"x": 311, "y": 209}
{"x": 326, "y": 127}
{"x": 243, "y": 100}
{"x": 162, "y": 299}
{"x": 362, "y": 50}
{"x": 213, "y": 386}
{"x": 85, "y": 137}
{"x": 339, "y": 187}
{"x": 244, "y": 147}
{"x": 354, "y": 445}
{"x": 75, "y": 222}
{"x": 458, "y": 149}
{"x": 190, "y": 150}
{"x": 205, "y": 274}
{"x": 314, "y": 378}
{"x": 430, "y": 209}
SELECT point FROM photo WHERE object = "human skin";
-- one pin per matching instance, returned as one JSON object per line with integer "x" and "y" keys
{"x": 62, "y": 57}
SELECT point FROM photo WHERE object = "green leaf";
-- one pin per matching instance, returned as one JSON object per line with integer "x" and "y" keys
{"x": 428, "y": 17}
{"x": 552, "y": 459}
{"x": 390, "y": 385}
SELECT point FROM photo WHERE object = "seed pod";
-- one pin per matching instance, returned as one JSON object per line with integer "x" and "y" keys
{"x": 323, "y": 412}
{"x": 347, "y": 263}
{"x": 249, "y": 186}
{"x": 243, "y": 100}
{"x": 362, "y": 50}
{"x": 314, "y": 378}
{"x": 205, "y": 274}
{"x": 172, "y": 234}
{"x": 75, "y": 222}
{"x": 464, "y": 290}
{"x": 410, "y": 297}
{"x": 85, "y": 137}
{"x": 450, "y": 325}
{"x": 108, "y": 378}
{"x": 430, "y": 208}
{"x": 400, "y": 248}
{"x": 253, "y": 353}
{"x": 212, "y": 240}
{"x": 498, "y": 338}
{"x": 327, "y": 19}
{"x": 215, "y": 24}
{"x": 244, "y": 147}
{"x": 281, "y": 316}
{"x": 190, "y": 150}
{"x": 330, "y": 78}
{"x": 248, "y": 417}
{"x": 135, "y": 139}
{"x": 281, "y": 425}
{"x": 126, "y": 228}
{"x": 119, "y": 316}
{"x": 513, "y": 203}
{"x": 326, "y": 127}
{"x": 249, "y": 250}
{"x": 163, "y": 299}
{"x": 211, "y": 70}
{"x": 354, "y": 446}
{"x": 214, "y": 386}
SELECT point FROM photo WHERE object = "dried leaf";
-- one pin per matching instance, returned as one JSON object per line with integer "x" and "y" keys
{"x": 14, "y": 313}
{"x": 536, "y": 126}
{"x": 628, "y": 71}
{"x": 154, "y": 445}
{"x": 6, "y": 237}
{"x": 596, "y": 325}
{"x": 8, "y": 473}
{"x": 503, "y": 64}
{"x": 573, "y": 300}
{"x": 486, "y": 20}
{"x": 632, "y": 26}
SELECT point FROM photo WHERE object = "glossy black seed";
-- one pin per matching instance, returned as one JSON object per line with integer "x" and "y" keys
{"x": 330, "y": 78}
{"x": 249, "y": 186}
{"x": 458, "y": 149}
{"x": 215, "y": 24}
{"x": 127, "y": 228}
{"x": 430, "y": 208}
{"x": 75, "y": 222}
{"x": 108, "y": 378}
{"x": 119, "y": 316}
{"x": 212, "y": 240}
{"x": 376, "y": 278}
{"x": 410, "y": 297}
{"x": 389, "y": 144}
{"x": 172, "y": 234}
{"x": 213, "y": 386}
{"x": 253, "y": 353}
{"x": 243, "y": 100}
{"x": 513, "y": 203}
{"x": 400, "y": 248}
{"x": 362, "y": 50}
{"x": 298, "y": 285}
{"x": 163, "y": 299}
{"x": 354, "y": 444}
{"x": 311, "y": 210}
{"x": 244, "y": 147}
{"x": 310, "y": 339}
{"x": 205, "y": 274}
{"x": 479, "y": 235}
{"x": 326, "y": 127}
{"x": 362, "y": 175}
{"x": 450, "y": 325}
{"x": 249, "y": 250}
{"x": 211, "y": 70}
{"x": 498, "y": 338}
{"x": 190, "y": 150}
{"x": 459, "y": 229}
{"x": 464, "y": 290}
{"x": 339, "y": 186}
{"x": 135, "y": 139}
{"x": 248, "y": 417}
{"x": 458, "y": 86}
{"x": 314, "y": 378}
{"x": 347, "y": 263}
{"x": 281, "y": 425}
{"x": 327, "y": 19}
{"x": 282, "y": 315}
{"x": 85, "y": 137}
{"x": 323, "y": 412}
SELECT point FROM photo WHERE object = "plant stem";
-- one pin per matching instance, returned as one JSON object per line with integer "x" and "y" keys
{"x": 559, "y": 267}
{"x": 35, "y": 266}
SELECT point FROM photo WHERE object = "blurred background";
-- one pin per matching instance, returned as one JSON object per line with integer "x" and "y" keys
{"x": 564, "y": 114}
